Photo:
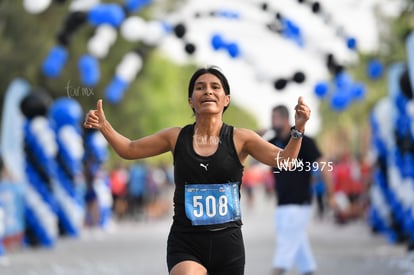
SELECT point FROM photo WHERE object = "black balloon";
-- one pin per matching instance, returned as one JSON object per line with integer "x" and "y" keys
{"x": 333, "y": 66}
{"x": 278, "y": 15}
{"x": 36, "y": 103}
{"x": 406, "y": 85}
{"x": 299, "y": 77}
{"x": 190, "y": 48}
{"x": 330, "y": 60}
{"x": 280, "y": 84}
{"x": 316, "y": 7}
{"x": 180, "y": 30}
{"x": 264, "y": 6}
{"x": 72, "y": 22}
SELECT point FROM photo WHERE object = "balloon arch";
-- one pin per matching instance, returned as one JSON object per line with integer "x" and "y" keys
{"x": 56, "y": 154}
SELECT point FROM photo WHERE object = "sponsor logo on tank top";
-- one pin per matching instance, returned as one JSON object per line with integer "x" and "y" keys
{"x": 205, "y": 166}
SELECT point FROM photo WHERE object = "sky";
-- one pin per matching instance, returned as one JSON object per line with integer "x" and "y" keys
{"x": 265, "y": 56}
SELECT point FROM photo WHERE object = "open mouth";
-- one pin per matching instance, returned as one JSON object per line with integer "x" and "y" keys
{"x": 208, "y": 101}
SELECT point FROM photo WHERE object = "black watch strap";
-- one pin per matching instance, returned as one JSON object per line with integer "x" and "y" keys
{"x": 295, "y": 133}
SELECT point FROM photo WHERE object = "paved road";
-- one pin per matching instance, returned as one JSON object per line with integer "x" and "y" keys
{"x": 139, "y": 248}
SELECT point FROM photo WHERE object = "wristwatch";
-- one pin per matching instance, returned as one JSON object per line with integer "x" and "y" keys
{"x": 295, "y": 133}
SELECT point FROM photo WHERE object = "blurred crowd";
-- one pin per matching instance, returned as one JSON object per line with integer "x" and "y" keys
{"x": 138, "y": 190}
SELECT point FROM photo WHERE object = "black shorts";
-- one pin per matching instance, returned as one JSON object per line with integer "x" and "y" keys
{"x": 220, "y": 252}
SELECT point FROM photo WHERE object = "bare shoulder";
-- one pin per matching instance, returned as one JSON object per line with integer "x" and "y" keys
{"x": 171, "y": 130}
{"x": 244, "y": 134}
{"x": 170, "y": 133}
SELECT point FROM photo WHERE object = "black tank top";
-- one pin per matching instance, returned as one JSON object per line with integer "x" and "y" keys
{"x": 221, "y": 167}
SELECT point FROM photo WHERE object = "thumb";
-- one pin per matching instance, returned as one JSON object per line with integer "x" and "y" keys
{"x": 99, "y": 107}
{"x": 300, "y": 100}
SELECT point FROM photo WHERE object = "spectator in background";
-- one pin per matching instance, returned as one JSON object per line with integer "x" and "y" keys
{"x": 156, "y": 179}
{"x": 350, "y": 177}
{"x": 252, "y": 176}
{"x": 138, "y": 174}
{"x": 118, "y": 180}
{"x": 294, "y": 197}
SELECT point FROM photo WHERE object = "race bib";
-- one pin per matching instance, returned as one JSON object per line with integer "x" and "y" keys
{"x": 207, "y": 204}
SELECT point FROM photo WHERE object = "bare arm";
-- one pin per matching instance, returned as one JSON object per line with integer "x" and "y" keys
{"x": 265, "y": 152}
{"x": 148, "y": 146}
{"x": 252, "y": 144}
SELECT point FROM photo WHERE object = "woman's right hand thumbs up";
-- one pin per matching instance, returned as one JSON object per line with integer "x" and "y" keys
{"x": 95, "y": 118}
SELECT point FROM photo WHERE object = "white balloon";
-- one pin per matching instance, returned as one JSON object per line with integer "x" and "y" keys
{"x": 103, "y": 193}
{"x": 99, "y": 45}
{"x": 99, "y": 140}
{"x": 36, "y": 6}
{"x": 83, "y": 5}
{"x": 385, "y": 113}
{"x": 153, "y": 33}
{"x": 2, "y": 222}
{"x": 38, "y": 125}
{"x": 407, "y": 192}
{"x": 410, "y": 108}
{"x": 133, "y": 28}
{"x": 72, "y": 141}
{"x": 96, "y": 48}
{"x": 129, "y": 67}
{"x": 44, "y": 135}
{"x": 106, "y": 33}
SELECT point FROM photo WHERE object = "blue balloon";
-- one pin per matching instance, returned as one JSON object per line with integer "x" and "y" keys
{"x": 358, "y": 91}
{"x": 168, "y": 28}
{"x": 111, "y": 13}
{"x": 398, "y": 158}
{"x": 375, "y": 69}
{"x": 292, "y": 31}
{"x": 217, "y": 41}
{"x": 351, "y": 43}
{"x": 114, "y": 92}
{"x": 233, "y": 49}
{"x": 136, "y": 5}
{"x": 403, "y": 127}
{"x": 66, "y": 111}
{"x": 55, "y": 61}
{"x": 401, "y": 102}
{"x": 343, "y": 80}
{"x": 321, "y": 89}
{"x": 407, "y": 170}
{"x": 340, "y": 100}
{"x": 98, "y": 150}
{"x": 228, "y": 14}
{"x": 89, "y": 70}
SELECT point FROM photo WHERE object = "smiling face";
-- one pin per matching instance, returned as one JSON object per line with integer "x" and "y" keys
{"x": 208, "y": 95}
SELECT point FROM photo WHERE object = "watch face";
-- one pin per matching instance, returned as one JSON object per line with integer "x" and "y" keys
{"x": 296, "y": 134}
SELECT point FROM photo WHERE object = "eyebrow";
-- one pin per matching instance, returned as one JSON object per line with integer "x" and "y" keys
{"x": 203, "y": 82}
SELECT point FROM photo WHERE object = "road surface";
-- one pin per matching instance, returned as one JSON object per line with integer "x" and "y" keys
{"x": 132, "y": 247}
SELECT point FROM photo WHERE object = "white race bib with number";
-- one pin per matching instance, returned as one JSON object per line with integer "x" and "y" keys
{"x": 207, "y": 204}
